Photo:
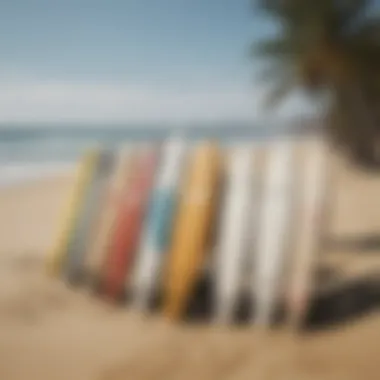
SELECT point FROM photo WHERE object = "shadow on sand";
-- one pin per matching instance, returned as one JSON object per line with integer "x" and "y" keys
{"x": 334, "y": 306}
{"x": 343, "y": 303}
{"x": 368, "y": 243}
{"x": 348, "y": 301}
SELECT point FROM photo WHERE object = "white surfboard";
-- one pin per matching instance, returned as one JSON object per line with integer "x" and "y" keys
{"x": 234, "y": 232}
{"x": 157, "y": 230}
{"x": 312, "y": 208}
{"x": 273, "y": 230}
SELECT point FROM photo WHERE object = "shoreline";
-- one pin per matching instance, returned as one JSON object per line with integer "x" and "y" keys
{"x": 20, "y": 172}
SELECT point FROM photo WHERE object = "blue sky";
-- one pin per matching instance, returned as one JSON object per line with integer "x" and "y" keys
{"x": 129, "y": 60}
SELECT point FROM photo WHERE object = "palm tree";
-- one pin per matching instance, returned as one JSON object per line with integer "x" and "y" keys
{"x": 330, "y": 49}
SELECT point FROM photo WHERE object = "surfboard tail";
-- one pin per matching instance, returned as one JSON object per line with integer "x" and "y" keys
{"x": 233, "y": 235}
{"x": 86, "y": 224}
{"x": 117, "y": 186}
{"x": 70, "y": 213}
{"x": 128, "y": 229}
{"x": 273, "y": 230}
{"x": 192, "y": 229}
{"x": 316, "y": 175}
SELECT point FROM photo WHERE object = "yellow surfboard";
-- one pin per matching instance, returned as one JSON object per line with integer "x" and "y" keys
{"x": 191, "y": 228}
{"x": 71, "y": 210}
{"x": 99, "y": 248}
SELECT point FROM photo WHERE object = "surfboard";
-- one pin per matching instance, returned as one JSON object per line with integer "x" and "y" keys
{"x": 71, "y": 212}
{"x": 234, "y": 233}
{"x": 159, "y": 222}
{"x": 83, "y": 234}
{"x": 191, "y": 230}
{"x": 117, "y": 187}
{"x": 126, "y": 235}
{"x": 308, "y": 243}
{"x": 273, "y": 230}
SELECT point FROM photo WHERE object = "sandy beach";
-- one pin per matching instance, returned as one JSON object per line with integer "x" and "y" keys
{"x": 51, "y": 332}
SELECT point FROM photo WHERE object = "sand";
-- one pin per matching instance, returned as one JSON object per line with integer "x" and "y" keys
{"x": 51, "y": 332}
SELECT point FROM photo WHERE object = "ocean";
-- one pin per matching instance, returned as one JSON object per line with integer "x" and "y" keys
{"x": 31, "y": 151}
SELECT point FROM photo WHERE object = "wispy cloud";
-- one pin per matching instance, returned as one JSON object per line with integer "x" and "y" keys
{"x": 49, "y": 101}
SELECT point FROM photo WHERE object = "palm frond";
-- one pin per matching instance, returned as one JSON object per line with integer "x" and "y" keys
{"x": 352, "y": 12}
{"x": 276, "y": 48}
{"x": 279, "y": 92}
{"x": 327, "y": 40}
{"x": 275, "y": 71}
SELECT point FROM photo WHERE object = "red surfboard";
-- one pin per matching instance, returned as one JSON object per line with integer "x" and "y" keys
{"x": 127, "y": 229}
